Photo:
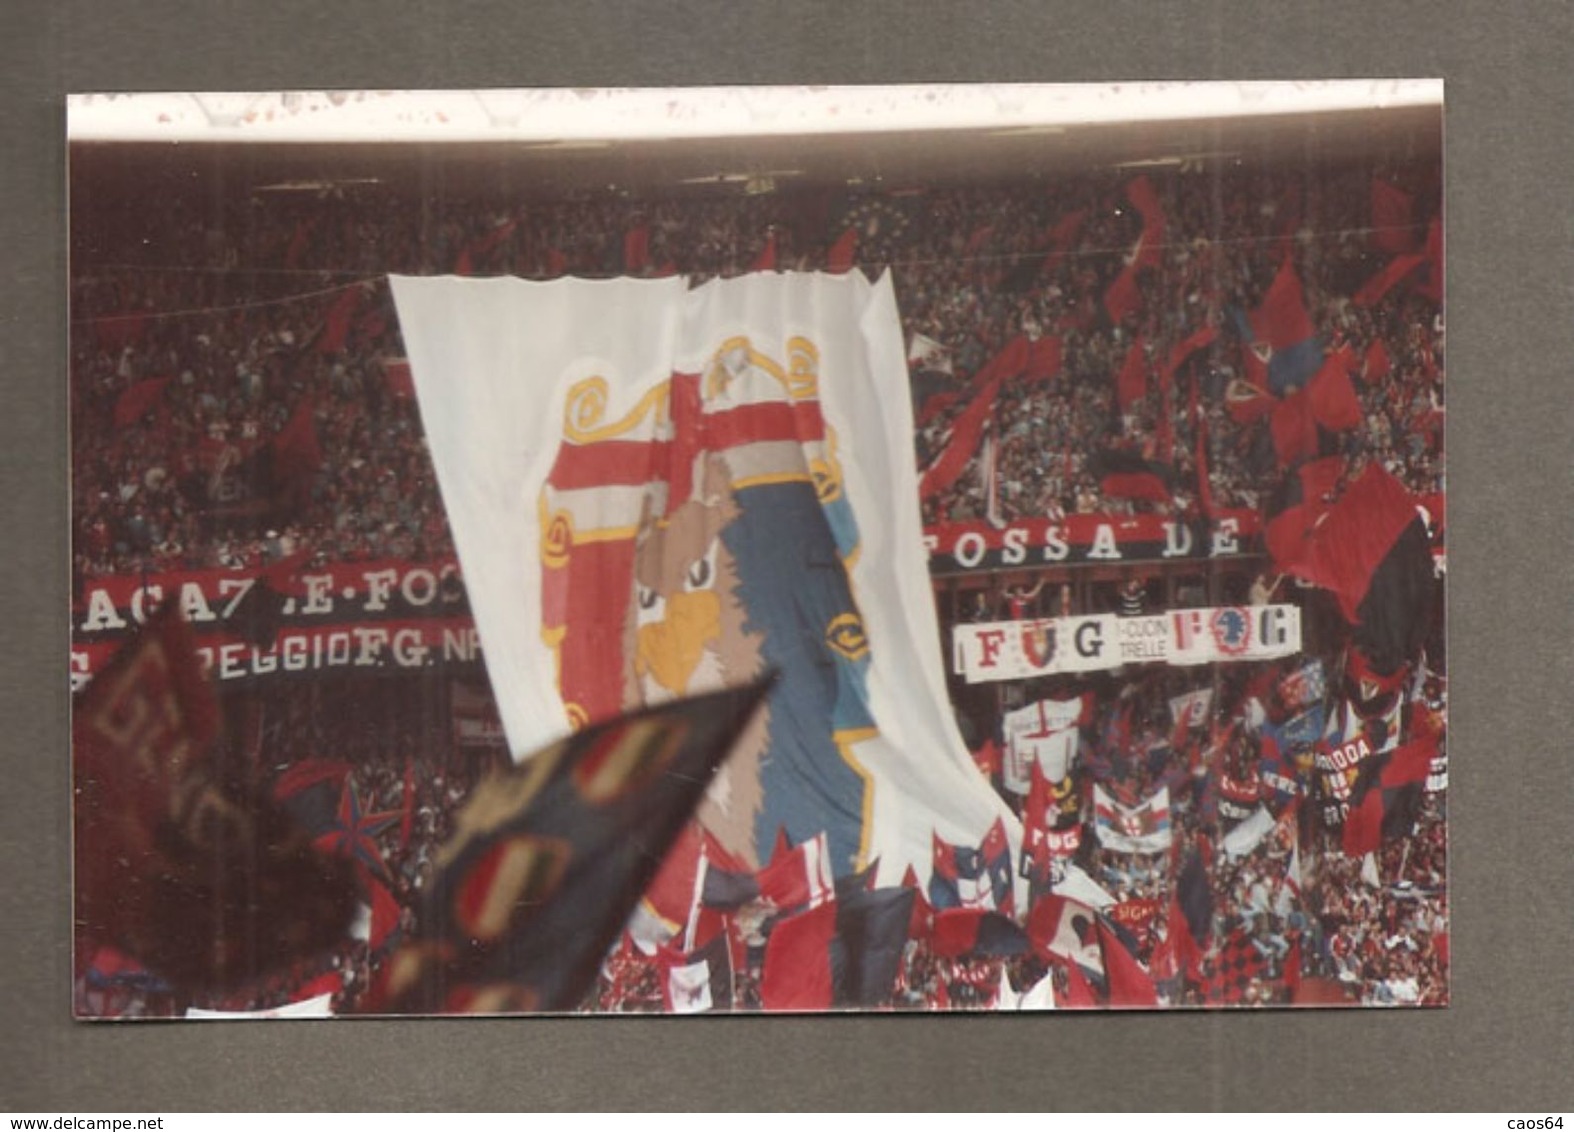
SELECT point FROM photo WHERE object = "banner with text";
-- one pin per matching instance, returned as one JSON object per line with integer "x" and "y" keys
{"x": 961, "y": 547}
{"x": 266, "y": 622}
{"x": 1021, "y": 650}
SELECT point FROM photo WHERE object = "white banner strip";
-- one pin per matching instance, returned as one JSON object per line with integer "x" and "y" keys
{"x": 1020, "y": 650}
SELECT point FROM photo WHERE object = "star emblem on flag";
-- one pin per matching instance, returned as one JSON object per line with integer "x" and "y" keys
{"x": 354, "y": 832}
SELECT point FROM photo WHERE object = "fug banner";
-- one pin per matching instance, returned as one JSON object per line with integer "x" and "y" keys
{"x": 1020, "y": 650}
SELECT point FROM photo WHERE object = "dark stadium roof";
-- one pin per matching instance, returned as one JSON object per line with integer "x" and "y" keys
{"x": 735, "y": 165}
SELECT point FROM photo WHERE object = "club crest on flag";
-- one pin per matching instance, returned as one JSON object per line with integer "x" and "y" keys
{"x": 1231, "y": 630}
{"x": 661, "y": 577}
{"x": 1038, "y": 643}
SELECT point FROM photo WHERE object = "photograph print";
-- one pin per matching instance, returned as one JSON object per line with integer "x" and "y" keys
{"x": 955, "y": 548}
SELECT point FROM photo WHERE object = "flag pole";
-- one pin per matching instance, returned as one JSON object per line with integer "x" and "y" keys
{"x": 694, "y": 905}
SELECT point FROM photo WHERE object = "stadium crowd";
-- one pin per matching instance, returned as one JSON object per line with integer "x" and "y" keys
{"x": 285, "y": 306}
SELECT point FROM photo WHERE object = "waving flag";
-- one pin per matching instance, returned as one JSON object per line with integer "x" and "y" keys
{"x": 973, "y": 931}
{"x": 1373, "y": 553}
{"x": 1393, "y": 218}
{"x": 798, "y": 972}
{"x": 1233, "y": 970}
{"x": 548, "y": 860}
{"x": 1386, "y": 796}
{"x": 353, "y": 832}
{"x": 1130, "y": 986}
{"x": 1066, "y": 930}
{"x": 966, "y": 433}
{"x": 1126, "y": 475}
{"x": 872, "y": 928}
{"x": 698, "y": 981}
{"x": 204, "y": 888}
{"x": 800, "y": 877}
{"x": 131, "y": 405}
{"x": 1282, "y": 348}
{"x": 957, "y": 879}
{"x": 1395, "y": 270}
{"x": 1131, "y": 382}
{"x": 656, "y": 491}
{"x": 1143, "y": 828}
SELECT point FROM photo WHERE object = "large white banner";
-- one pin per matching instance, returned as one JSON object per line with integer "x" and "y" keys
{"x": 656, "y": 491}
{"x": 1021, "y": 650}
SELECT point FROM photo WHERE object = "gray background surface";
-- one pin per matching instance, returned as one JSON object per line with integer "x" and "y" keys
{"x": 1506, "y": 1043}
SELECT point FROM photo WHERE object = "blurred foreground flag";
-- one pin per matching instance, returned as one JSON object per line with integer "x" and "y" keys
{"x": 202, "y": 885}
{"x": 657, "y": 491}
{"x": 548, "y": 860}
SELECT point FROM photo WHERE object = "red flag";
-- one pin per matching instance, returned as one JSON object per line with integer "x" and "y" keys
{"x": 1059, "y": 928}
{"x": 966, "y": 432}
{"x": 1123, "y": 297}
{"x": 156, "y": 688}
{"x": 201, "y": 887}
{"x": 1178, "y": 953}
{"x": 766, "y": 260}
{"x": 1009, "y": 363}
{"x": 1392, "y": 221}
{"x": 1183, "y": 350}
{"x": 1294, "y": 429}
{"x": 336, "y": 327}
{"x": 407, "y": 797}
{"x": 1360, "y": 530}
{"x": 842, "y": 253}
{"x": 802, "y": 876}
{"x": 934, "y": 405}
{"x": 1281, "y": 319}
{"x": 488, "y": 243}
{"x": 297, "y": 453}
{"x": 1150, "y": 252}
{"x": 1064, "y": 230}
{"x": 1062, "y": 235}
{"x": 673, "y": 892}
{"x": 1079, "y": 992}
{"x": 137, "y": 400}
{"x": 987, "y": 758}
{"x": 1131, "y": 384}
{"x": 1044, "y": 359}
{"x": 781, "y": 846}
{"x": 1038, "y": 818}
{"x": 1129, "y": 985}
{"x": 1164, "y": 432}
{"x": 1292, "y": 969}
{"x": 1320, "y": 478}
{"x": 1432, "y": 286}
{"x": 921, "y": 922}
{"x": 797, "y": 969}
{"x": 1204, "y": 477}
{"x": 1378, "y": 365}
{"x": 297, "y": 248}
{"x": 1374, "y": 796}
{"x": 1372, "y": 291}
{"x": 384, "y": 908}
{"x": 399, "y": 378}
{"x": 481, "y": 246}
{"x": 1331, "y": 397}
{"x": 636, "y": 249}
{"x": 976, "y": 240}
{"x": 1246, "y": 402}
